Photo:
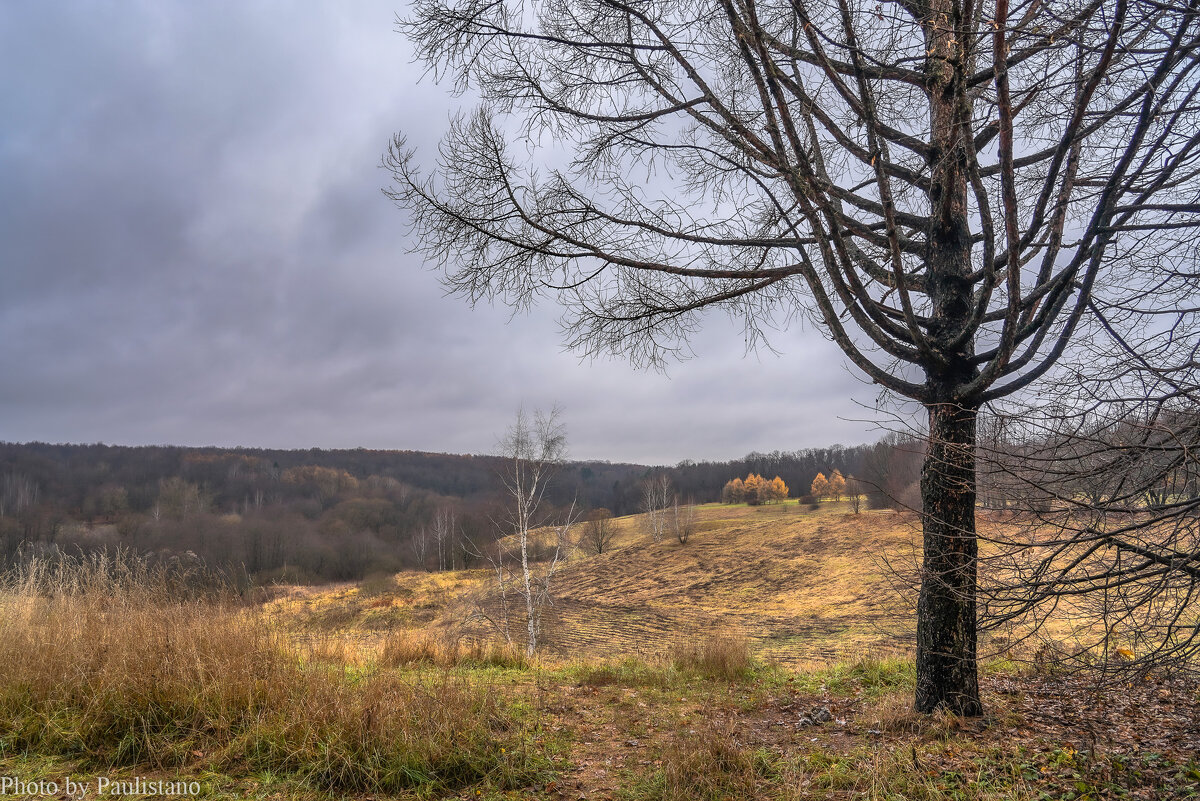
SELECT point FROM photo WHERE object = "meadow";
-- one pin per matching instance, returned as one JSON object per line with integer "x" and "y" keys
{"x": 766, "y": 658}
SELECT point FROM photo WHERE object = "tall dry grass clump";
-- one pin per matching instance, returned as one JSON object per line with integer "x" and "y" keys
{"x": 106, "y": 659}
{"x": 719, "y": 655}
{"x": 708, "y": 762}
{"x": 403, "y": 648}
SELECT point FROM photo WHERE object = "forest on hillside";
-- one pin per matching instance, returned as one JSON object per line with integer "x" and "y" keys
{"x": 313, "y": 515}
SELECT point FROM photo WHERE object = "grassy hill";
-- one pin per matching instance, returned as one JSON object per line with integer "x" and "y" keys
{"x": 751, "y": 662}
{"x": 803, "y": 586}
{"x": 800, "y": 585}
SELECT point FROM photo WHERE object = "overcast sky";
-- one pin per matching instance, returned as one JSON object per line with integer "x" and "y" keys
{"x": 194, "y": 249}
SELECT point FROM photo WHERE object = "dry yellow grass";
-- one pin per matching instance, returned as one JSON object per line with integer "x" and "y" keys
{"x": 804, "y": 588}
{"x": 404, "y": 648}
{"x": 107, "y": 664}
{"x": 720, "y": 655}
{"x": 105, "y": 661}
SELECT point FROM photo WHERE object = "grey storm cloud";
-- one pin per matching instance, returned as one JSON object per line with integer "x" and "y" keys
{"x": 194, "y": 249}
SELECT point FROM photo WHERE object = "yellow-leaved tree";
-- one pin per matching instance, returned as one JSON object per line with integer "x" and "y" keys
{"x": 837, "y": 485}
{"x": 778, "y": 490}
{"x": 756, "y": 489}
{"x": 820, "y": 486}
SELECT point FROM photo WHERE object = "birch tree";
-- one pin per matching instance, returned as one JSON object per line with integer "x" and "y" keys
{"x": 533, "y": 449}
{"x": 656, "y": 500}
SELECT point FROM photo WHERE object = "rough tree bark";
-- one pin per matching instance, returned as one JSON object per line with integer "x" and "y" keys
{"x": 946, "y": 624}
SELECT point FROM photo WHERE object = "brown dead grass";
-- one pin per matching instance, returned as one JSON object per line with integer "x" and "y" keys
{"x": 116, "y": 671}
{"x": 805, "y": 588}
{"x": 720, "y": 655}
{"x": 707, "y": 760}
{"x": 406, "y": 648}
{"x": 103, "y": 660}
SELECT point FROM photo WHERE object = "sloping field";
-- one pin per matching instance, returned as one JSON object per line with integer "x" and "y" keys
{"x": 801, "y": 585}
{"x": 804, "y": 586}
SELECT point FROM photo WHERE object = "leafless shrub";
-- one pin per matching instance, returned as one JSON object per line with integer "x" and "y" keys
{"x": 683, "y": 520}
{"x": 598, "y": 531}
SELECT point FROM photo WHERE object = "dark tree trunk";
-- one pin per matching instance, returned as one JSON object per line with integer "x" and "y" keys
{"x": 946, "y": 634}
{"x": 946, "y": 670}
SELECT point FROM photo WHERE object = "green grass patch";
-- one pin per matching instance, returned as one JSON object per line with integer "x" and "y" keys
{"x": 870, "y": 676}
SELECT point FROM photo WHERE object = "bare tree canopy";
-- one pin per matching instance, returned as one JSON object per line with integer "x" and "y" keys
{"x": 949, "y": 189}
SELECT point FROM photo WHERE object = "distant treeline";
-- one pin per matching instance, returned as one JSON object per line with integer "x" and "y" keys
{"x": 307, "y": 515}
{"x": 86, "y": 480}
{"x": 885, "y": 465}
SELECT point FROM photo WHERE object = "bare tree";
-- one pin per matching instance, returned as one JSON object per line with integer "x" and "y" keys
{"x": 18, "y": 492}
{"x": 656, "y": 501}
{"x": 598, "y": 531}
{"x": 521, "y": 580}
{"x": 892, "y": 472}
{"x": 444, "y": 537}
{"x": 420, "y": 547}
{"x": 178, "y": 499}
{"x": 945, "y": 187}
{"x": 534, "y": 450}
{"x": 854, "y": 492}
{"x": 683, "y": 520}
